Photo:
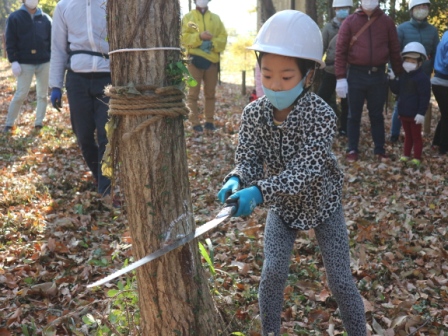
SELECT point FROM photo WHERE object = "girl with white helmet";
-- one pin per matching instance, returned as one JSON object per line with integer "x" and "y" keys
{"x": 414, "y": 92}
{"x": 284, "y": 161}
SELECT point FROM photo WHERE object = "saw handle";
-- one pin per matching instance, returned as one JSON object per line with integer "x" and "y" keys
{"x": 233, "y": 202}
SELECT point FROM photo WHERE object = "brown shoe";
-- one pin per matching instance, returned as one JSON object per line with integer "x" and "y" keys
{"x": 351, "y": 156}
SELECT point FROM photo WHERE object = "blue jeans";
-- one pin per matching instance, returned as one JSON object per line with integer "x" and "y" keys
{"x": 396, "y": 123}
{"x": 41, "y": 71}
{"x": 88, "y": 113}
{"x": 372, "y": 87}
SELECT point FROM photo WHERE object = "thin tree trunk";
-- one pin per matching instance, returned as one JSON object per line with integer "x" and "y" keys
{"x": 311, "y": 9}
{"x": 392, "y": 10}
{"x": 174, "y": 297}
{"x": 267, "y": 10}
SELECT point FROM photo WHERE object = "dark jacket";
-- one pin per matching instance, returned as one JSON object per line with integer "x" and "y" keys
{"x": 28, "y": 40}
{"x": 414, "y": 91}
{"x": 374, "y": 47}
{"x": 329, "y": 31}
{"x": 423, "y": 32}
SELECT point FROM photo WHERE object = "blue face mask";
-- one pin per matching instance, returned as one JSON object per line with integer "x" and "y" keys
{"x": 284, "y": 99}
{"x": 342, "y": 13}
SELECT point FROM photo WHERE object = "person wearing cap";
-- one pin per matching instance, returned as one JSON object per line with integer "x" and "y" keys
{"x": 328, "y": 82}
{"x": 284, "y": 161}
{"x": 440, "y": 90}
{"x": 28, "y": 45}
{"x": 367, "y": 40}
{"x": 413, "y": 89}
{"x": 417, "y": 29}
{"x": 79, "y": 54}
{"x": 204, "y": 37}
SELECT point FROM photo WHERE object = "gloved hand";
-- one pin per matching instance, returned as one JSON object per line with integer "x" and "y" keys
{"x": 248, "y": 199}
{"x": 206, "y": 46}
{"x": 419, "y": 119}
{"x": 16, "y": 69}
{"x": 390, "y": 74}
{"x": 342, "y": 88}
{"x": 232, "y": 185}
{"x": 56, "y": 98}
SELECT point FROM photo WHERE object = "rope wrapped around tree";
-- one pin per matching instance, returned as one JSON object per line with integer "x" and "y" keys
{"x": 141, "y": 100}
{"x": 138, "y": 101}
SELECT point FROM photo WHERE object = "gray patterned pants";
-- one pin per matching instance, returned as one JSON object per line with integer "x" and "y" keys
{"x": 333, "y": 242}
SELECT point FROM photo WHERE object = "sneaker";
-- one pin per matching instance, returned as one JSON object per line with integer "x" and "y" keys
{"x": 7, "y": 129}
{"x": 394, "y": 138}
{"x": 404, "y": 159}
{"x": 351, "y": 156}
{"x": 37, "y": 129}
{"x": 209, "y": 126}
{"x": 415, "y": 162}
{"x": 198, "y": 128}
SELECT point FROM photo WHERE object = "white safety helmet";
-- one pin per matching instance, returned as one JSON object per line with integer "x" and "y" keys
{"x": 413, "y": 3}
{"x": 342, "y": 3}
{"x": 414, "y": 50}
{"x": 290, "y": 33}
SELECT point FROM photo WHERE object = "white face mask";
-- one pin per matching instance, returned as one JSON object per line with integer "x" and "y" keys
{"x": 31, "y": 3}
{"x": 408, "y": 66}
{"x": 369, "y": 4}
{"x": 420, "y": 13}
{"x": 202, "y": 3}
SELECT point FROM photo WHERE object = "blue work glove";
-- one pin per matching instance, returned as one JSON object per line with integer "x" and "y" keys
{"x": 248, "y": 199}
{"x": 232, "y": 185}
{"x": 206, "y": 46}
{"x": 56, "y": 98}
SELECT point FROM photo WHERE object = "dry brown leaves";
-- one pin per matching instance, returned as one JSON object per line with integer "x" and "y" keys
{"x": 56, "y": 235}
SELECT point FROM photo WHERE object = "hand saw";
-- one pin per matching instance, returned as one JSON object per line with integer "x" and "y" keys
{"x": 228, "y": 211}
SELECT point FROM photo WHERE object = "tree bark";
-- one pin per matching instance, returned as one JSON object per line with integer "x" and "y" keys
{"x": 267, "y": 10}
{"x": 311, "y": 9}
{"x": 392, "y": 10}
{"x": 174, "y": 296}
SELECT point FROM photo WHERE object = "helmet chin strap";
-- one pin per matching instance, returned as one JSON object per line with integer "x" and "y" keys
{"x": 309, "y": 81}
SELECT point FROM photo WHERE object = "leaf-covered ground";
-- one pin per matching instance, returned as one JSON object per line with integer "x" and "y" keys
{"x": 57, "y": 234}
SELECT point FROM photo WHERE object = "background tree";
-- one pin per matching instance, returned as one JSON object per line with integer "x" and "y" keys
{"x": 174, "y": 296}
{"x": 311, "y": 9}
{"x": 267, "y": 10}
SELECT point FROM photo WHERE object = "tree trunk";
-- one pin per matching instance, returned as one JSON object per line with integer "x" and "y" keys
{"x": 392, "y": 10}
{"x": 267, "y": 10}
{"x": 311, "y": 9}
{"x": 174, "y": 297}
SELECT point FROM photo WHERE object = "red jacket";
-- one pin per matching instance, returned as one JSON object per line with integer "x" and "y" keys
{"x": 376, "y": 46}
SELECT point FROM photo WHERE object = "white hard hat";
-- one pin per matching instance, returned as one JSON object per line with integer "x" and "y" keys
{"x": 414, "y": 50}
{"x": 290, "y": 33}
{"x": 342, "y": 3}
{"x": 413, "y": 3}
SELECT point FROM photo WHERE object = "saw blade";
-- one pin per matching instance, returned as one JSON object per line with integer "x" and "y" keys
{"x": 224, "y": 214}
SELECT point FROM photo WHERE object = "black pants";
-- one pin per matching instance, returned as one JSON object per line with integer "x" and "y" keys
{"x": 441, "y": 134}
{"x": 88, "y": 113}
{"x": 326, "y": 92}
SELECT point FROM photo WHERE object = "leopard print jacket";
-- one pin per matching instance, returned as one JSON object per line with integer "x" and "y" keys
{"x": 292, "y": 164}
